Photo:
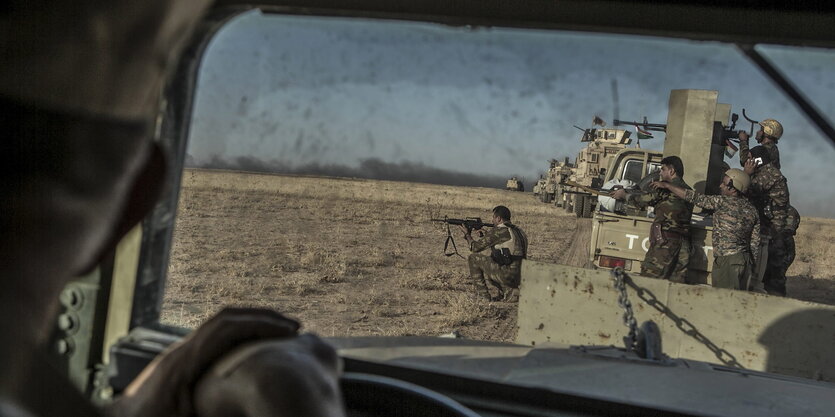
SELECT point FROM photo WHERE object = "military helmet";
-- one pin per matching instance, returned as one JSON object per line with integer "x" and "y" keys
{"x": 739, "y": 179}
{"x": 772, "y": 128}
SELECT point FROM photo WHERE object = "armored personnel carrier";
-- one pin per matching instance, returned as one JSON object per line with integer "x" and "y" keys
{"x": 558, "y": 171}
{"x": 590, "y": 168}
{"x": 514, "y": 184}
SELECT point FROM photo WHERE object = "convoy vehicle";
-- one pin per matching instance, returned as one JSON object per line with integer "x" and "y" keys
{"x": 513, "y": 184}
{"x": 109, "y": 324}
{"x": 590, "y": 168}
{"x": 539, "y": 188}
{"x": 558, "y": 171}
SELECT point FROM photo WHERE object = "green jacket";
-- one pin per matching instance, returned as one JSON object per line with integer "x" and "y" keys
{"x": 671, "y": 212}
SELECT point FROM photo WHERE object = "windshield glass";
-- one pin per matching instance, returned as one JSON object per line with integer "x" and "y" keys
{"x": 320, "y": 148}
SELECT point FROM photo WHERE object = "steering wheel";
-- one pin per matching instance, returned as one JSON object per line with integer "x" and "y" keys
{"x": 373, "y": 395}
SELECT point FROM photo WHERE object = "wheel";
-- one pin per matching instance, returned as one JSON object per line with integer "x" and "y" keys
{"x": 588, "y": 203}
{"x": 578, "y": 204}
{"x": 558, "y": 198}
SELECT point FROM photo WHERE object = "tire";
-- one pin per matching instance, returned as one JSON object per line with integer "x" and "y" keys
{"x": 578, "y": 204}
{"x": 588, "y": 203}
{"x": 558, "y": 198}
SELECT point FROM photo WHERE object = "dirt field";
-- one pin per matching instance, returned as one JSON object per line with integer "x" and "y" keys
{"x": 360, "y": 257}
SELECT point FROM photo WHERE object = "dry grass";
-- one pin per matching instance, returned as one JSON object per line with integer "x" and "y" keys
{"x": 815, "y": 254}
{"x": 360, "y": 257}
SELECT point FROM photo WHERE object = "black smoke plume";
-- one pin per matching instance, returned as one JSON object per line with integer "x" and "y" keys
{"x": 371, "y": 168}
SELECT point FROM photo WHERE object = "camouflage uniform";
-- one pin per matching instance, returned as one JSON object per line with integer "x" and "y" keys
{"x": 792, "y": 223}
{"x": 770, "y": 195}
{"x": 736, "y": 237}
{"x": 669, "y": 248}
{"x": 503, "y": 277}
{"x": 773, "y": 153}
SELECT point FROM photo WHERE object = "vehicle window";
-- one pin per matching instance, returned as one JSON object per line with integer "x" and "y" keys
{"x": 652, "y": 167}
{"x": 633, "y": 170}
{"x": 320, "y": 148}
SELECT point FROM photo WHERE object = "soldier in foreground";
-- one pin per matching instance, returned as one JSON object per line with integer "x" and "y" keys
{"x": 770, "y": 132}
{"x": 669, "y": 247}
{"x": 508, "y": 245}
{"x": 736, "y": 228}
{"x": 80, "y": 87}
{"x": 770, "y": 195}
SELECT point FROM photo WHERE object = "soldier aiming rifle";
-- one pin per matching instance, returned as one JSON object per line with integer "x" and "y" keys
{"x": 508, "y": 245}
{"x": 469, "y": 224}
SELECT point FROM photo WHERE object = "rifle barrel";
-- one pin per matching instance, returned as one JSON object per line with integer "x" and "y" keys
{"x": 472, "y": 222}
{"x": 647, "y": 126}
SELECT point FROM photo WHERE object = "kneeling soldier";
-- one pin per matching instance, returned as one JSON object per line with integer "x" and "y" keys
{"x": 508, "y": 245}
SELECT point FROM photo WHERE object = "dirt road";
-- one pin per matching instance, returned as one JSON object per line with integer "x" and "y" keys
{"x": 578, "y": 252}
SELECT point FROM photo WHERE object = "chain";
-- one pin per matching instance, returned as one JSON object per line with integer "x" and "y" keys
{"x": 688, "y": 328}
{"x": 629, "y": 321}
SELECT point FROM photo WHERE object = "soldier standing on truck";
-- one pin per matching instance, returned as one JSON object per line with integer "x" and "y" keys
{"x": 736, "y": 228}
{"x": 508, "y": 245}
{"x": 768, "y": 135}
{"x": 669, "y": 238}
{"x": 770, "y": 195}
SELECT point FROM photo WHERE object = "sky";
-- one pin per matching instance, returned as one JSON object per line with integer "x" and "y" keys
{"x": 473, "y": 106}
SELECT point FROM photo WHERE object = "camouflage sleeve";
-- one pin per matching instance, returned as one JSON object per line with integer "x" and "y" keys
{"x": 641, "y": 199}
{"x": 710, "y": 202}
{"x": 744, "y": 152}
{"x": 755, "y": 242}
{"x": 494, "y": 236}
{"x": 779, "y": 192}
{"x": 792, "y": 219}
{"x": 774, "y": 154}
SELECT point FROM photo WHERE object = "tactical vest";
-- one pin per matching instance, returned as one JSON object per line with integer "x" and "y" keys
{"x": 518, "y": 243}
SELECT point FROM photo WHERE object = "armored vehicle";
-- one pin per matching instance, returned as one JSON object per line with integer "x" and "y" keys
{"x": 558, "y": 171}
{"x": 514, "y": 184}
{"x": 590, "y": 168}
{"x": 539, "y": 187}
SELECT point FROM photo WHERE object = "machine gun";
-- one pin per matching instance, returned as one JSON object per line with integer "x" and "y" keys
{"x": 470, "y": 223}
{"x": 721, "y": 134}
{"x": 643, "y": 186}
{"x": 586, "y": 189}
{"x": 655, "y": 127}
